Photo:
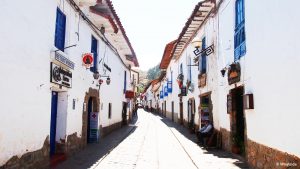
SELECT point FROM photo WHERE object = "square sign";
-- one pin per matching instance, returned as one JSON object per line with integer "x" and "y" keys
{"x": 60, "y": 76}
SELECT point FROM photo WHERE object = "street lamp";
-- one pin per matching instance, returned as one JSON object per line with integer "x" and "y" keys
{"x": 108, "y": 80}
{"x": 96, "y": 75}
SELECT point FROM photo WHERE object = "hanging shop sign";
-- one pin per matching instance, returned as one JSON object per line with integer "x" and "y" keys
{"x": 183, "y": 91}
{"x": 60, "y": 58}
{"x": 60, "y": 76}
{"x": 88, "y": 60}
{"x": 207, "y": 51}
{"x": 202, "y": 80}
{"x": 234, "y": 73}
{"x": 129, "y": 94}
{"x": 94, "y": 130}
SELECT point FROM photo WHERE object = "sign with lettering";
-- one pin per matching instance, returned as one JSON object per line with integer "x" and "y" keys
{"x": 94, "y": 134}
{"x": 60, "y": 76}
{"x": 64, "y": 60}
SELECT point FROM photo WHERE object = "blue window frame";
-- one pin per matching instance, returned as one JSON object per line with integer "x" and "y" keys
{"x": 166, "y": 90}
{"x": 125, "y": 83}
{"x": 60, "y": 30}
{"x": 203, "y": 57}
{"x": 94, "y": 50}
{"x": 239, "y": 32}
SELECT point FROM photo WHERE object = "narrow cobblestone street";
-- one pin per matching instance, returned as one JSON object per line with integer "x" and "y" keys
{"x": 152, "y": 142}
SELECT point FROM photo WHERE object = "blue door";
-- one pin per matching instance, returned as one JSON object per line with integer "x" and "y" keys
{"x": 90, "y": 109}
{"x": 53, "y": 122}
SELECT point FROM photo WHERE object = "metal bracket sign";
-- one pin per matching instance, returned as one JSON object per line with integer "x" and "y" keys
{"x": 209, "y": 50}
{"x": 60, "y": 76}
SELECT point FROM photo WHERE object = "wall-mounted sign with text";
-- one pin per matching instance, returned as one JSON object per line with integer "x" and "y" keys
{"x": 60, "y": 76}
{"x": 88, "y": 60}
{"x": 60, "y": 58}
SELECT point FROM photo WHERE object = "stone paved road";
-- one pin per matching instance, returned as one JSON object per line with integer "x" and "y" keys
{"x": 155, "y": 143}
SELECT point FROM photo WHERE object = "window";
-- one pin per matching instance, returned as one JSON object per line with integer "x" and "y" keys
{"x": 125, "y": 79}
{"x": 109, "y": 110}
{"x": 203, "y": 57}
{"x": 60, "y": 30}
{"x": 94, "y": 50}
{"x": 239, "y": 32}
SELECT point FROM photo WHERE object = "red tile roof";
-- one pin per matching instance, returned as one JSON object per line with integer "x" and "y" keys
{"x": 167, "y": 56}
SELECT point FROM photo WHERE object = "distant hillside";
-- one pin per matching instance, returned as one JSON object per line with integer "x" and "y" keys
{"x": 153, "y": 73}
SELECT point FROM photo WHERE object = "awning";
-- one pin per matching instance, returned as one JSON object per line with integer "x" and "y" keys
{"x": 129, "y": 94}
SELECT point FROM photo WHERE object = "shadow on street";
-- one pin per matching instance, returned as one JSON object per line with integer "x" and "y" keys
{"x": 94, "y": 152}
{"x": 213, "y": 151}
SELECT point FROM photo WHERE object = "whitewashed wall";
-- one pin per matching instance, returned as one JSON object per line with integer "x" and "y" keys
{"x": 269, "y": 70}
{"x": 209, "y": 31}
{"x": 27, "y": 39}
{"x": 25, "y": 99}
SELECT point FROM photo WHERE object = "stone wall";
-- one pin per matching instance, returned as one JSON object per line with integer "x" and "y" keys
{"x": 261, "y": 156}
{"x": 226, "y": 141}
{"x": 74, "y": 144}
{"x": 108, "y": 129}
{"x": 36, "y": 159}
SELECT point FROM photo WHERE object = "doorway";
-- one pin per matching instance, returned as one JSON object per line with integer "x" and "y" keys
{"x": 90, "y": 105}
{"x": 124, "y": 113}
{"x": 54, "y": 99}
{"x": 191, "y": 113}
{"x": 172, "y": 108}
{"x": 58, "y": 122}
{"x": 181, "y": 111}
{"x": 238, "y": 121}
{"x": 165, "y": 109}
{"x": 90, "y": 110}
{"x": 162, "y": 109}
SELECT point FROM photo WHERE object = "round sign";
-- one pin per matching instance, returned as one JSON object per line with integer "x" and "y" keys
{"x": 87, "y": 59}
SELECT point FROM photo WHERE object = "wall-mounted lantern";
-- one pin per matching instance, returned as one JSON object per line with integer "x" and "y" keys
{"x": 223, "y": 71}
{"x": 108, "y": 80}
{"x": 96, "y": 75}
{"x": 197, "y": 42}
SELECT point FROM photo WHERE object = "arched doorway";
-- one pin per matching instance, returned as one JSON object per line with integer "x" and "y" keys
{"x": 91, "y": 104}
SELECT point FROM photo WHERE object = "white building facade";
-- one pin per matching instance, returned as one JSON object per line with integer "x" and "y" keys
{"x": 246, "y": 86}
{"x": 51, "y": 103}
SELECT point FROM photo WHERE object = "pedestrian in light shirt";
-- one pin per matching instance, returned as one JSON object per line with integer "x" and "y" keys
{"x": 205, "y": 131}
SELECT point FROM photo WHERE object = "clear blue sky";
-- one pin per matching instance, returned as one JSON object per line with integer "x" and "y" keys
{"x": 151, "y": 24}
